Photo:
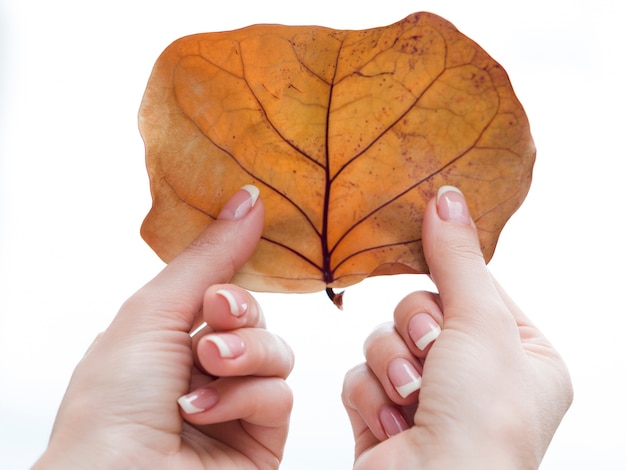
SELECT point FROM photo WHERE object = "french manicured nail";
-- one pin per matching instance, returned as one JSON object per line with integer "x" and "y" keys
{"x": 198, "y": 329}
{"x": 423, "y": 330}
{"x": 451, "y": 205}
{"x": 228, "y": 345}
{"x": 404, "y": 377}
{"x": 240, "y": 203}
{"x": 392, "y": 421}
{"x": 199, "y": 400}
{"x": 237, "y": 303}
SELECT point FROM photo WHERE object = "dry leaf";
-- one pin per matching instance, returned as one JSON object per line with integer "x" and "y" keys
{"x": 347, "y": 134}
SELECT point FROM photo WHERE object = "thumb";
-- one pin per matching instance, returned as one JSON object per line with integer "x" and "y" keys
{"x": 223, "y": 247}
{"x": 456, "y": 263}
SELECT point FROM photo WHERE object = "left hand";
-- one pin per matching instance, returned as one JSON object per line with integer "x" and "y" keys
{"x": 461, "y": 378}
{"x": 120, "y": 409}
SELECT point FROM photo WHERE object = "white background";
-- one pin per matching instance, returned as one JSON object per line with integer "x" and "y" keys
{"x": 73, "y": 193}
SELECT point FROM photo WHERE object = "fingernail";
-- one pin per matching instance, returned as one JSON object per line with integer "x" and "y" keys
{"x": 404, "y": 377}
{"x": 199, "y": 400}
{"x": 240, "y": 203}
{"x": 198, "y": 329}
{"x": 392, "y": 421}
{"x": 423, "y": 330}
{"x": 228, "y": 345}
{"x": 451, "y": 205}
{"x": 237, "y": 303}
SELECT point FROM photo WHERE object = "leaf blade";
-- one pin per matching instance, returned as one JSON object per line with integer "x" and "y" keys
{"x": 348, "y": 134}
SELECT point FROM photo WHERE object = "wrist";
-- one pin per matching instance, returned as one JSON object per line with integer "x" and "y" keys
{"x": 492, "y": 458}
{"x": 475, "y": 451}
{"x": 75, "y": 453}
{"x": 58, "y": 460}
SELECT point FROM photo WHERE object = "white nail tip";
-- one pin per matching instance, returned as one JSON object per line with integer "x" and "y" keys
{"x": 406, "y": 389}
{"x": 222, "y": 347}
{"x": 253, "y": 191}
{"x": 445, "y": 189}
{"x": 232, "y": 302}
{"x": 187, "y": 406}
{"x": 428, "y": 338}
{"x": 198, "y": 329}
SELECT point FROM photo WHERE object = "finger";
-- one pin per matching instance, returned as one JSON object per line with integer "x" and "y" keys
{"x": 177, "y": 292}
{"x": 199, "y": 379}
{"x": 228, "y": 399}
{"x": 227, "y": 307}
{"x": 418, "y": 319}
{"x": 230, "y": 308}
{"x": 456, "y": 263}
{"x": 373, "y": 416}
{"x": 224, "y": 408}
{"x": 393, "y": 364}
{"x": 245, "y": 351}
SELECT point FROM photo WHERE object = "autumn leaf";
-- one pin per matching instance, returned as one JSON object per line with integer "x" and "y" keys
{"x": 347, "y": 134}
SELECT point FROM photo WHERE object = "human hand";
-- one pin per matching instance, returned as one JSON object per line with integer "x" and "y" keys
{"x": 484, "y": 388}
{"x": 120, "y": 409}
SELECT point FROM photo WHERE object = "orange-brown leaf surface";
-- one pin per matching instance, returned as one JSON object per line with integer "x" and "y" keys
{"x": 347, "y": 134}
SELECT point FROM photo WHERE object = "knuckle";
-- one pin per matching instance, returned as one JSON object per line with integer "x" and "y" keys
{"x": 215, "y": 247}
{"x": 288, "y": 357}
{"x": 377, "y": 336}
{"x": 353, "y": 382}
{"x": 464, "y": 247}
{"x": 381, "y": 343}
{"x": 285, "y": 396}
{"x": 415, "y": 302}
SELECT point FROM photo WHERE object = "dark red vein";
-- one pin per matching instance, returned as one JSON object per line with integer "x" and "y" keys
{"x": 327, "y": 271}
{"x": 295, "y": 252}
{"x": 413, "y": 186}
{"x": 383, "y": 132}
{"x": 246, "y": 170}
{"x": 274, "y": 242}
{"x": 365, "y": 250}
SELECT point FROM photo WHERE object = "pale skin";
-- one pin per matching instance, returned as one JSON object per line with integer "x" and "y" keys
{"x": 459, "y": 379}
{"x": 492, "y": 388}
{"x": 120, "y": 409}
